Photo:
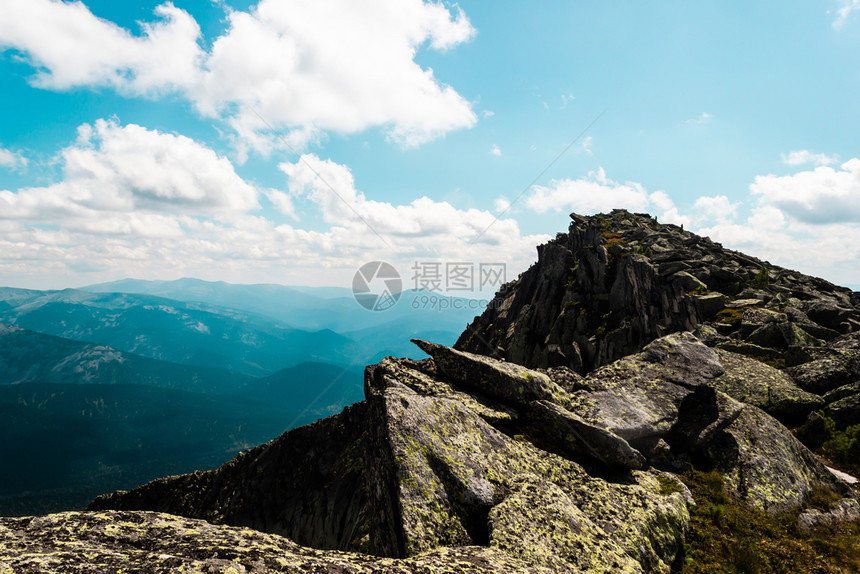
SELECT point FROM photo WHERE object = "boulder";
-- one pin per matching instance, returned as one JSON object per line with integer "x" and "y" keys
{"x": 842, "y": 392}
{"x": 839, "y": 367}
{"x": 845, "y": 412}
{"x": 505, "y": 381}
{"x": 846, "y": 510}
{"x": 755, "y": 383}
{"x": 568, "y": 433}
{"x": 535, "y": 506}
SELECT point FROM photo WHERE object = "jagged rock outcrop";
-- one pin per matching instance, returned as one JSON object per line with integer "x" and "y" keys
{"x": 445, "y": 464}
{"x": 546, "y": 441}
{"x": 616, "y": 282}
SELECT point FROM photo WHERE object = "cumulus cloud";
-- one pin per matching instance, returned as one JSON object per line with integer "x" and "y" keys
{"x": 12, "y": 160}
{"x": 327, "y": 65}
{"x": 423, "y": 224}
{"x": 718, "y": 208}
{"x": 597, "y": 193}
{"x": 124, "y": 179}
{"x": 495, "y": 150}
{"x": 70, "y": 47}
{"x": 802, "y": 157}
{"x": 808, "y": 221}
{"x": 823, "y": 195}
{"x": 846, "y": 8}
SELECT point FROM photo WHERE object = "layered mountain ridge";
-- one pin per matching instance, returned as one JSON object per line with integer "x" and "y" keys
{"x": 549, "y": 439}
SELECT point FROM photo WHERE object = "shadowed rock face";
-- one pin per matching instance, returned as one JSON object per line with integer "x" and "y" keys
{"x": 463, "y": 462}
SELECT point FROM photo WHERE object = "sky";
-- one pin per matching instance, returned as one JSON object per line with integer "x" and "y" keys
{"x": 292, "y": 141}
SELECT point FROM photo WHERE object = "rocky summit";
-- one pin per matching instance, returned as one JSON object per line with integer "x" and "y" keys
{"x": 549, "y": 439}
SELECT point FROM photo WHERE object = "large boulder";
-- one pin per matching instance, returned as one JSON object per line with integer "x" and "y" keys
{"x": 753, "y": 382}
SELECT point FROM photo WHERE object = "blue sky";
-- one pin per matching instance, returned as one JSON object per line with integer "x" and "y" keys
{"x": 290, "y": 141}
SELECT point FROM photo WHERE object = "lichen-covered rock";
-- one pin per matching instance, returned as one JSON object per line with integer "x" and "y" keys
{"x": 454, "y": 469}
{"x": 535, "y": 508}
{"x": 839, "y": 367}
{"x": 570, "y": 434}
{"x": 845, "y": 412}
{"x": 846, "y": 510}
{"x": 637, "y": 397}
{"x": 145, "y": 542}
{"x": 506, "y": 381}
{"x": 842, "y": 392}
{"x": 764, "y": 464}
{"x": 751, "y": 381}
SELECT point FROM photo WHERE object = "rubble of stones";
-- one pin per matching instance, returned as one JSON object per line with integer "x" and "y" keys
{"x": 549, "y": 439}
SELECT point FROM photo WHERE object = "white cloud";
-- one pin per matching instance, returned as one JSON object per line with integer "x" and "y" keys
{"x": 803, "y": 156}
{"x": 326, "y": 65}
{"x": 135, "y": 201}
{"x": 282, "y": 202}
{"x": 592, "y": 194}
{"x": 502, "y": 205}
{"x": 428, "y": 225}
{"x": 586, "y": 145}
{"x": 566, "y": 99}
{"x": 703, "y": 118}
{"x": 823, "y": 195}
{"x": 718, "y": 208}
{"x": 495, "y": 150}
{"x": 12, "y": 160}
{"x": 132, "y": 174}
{"x": 808, "y": 221}
{"x": 70, "y": 47}
{"x": 847, "y": 7}
{"x": 597, "y": 193}
{"x": 667, "y": 212}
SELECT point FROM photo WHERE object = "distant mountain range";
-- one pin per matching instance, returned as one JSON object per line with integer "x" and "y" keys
{"x": 310, "y": 308}
{"x": 178, "y": 332}
{"x": 111, "y": 385}
{"x": 28, "y": 356}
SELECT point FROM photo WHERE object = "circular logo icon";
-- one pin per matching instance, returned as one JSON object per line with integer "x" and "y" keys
{"x": 377, "y": 286}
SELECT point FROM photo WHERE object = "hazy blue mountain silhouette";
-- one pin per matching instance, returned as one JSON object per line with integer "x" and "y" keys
{"x": 179, "y": 332}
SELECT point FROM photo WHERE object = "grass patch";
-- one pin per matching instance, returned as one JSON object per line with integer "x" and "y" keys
{"x": 668, "y": 486}
{"x": 840, "y": 447}
{"x": 644, "y": 250}
{"x": 729, "y": 316}
{"x": 611, "y": 238}
{"x": 726, "y": 537}
{"x": 775, "y": 363}
{"x": 761, "y": 279}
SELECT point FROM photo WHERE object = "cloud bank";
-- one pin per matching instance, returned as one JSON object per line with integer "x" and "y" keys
{"x": 135, "y": 202}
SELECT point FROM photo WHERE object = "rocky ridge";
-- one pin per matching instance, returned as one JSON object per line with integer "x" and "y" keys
{"x": 548, "y": 440}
